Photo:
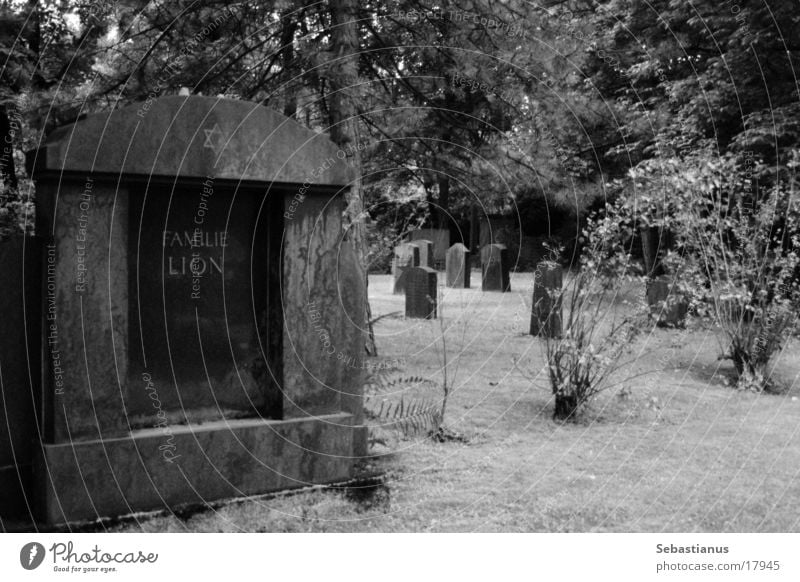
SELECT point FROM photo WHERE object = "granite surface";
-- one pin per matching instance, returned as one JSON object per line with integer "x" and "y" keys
{"x": 151, "y": 469}
{"x": 194, "y": 137}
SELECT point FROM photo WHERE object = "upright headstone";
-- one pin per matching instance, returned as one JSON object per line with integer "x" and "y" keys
{"x": 405, "y": 256}
{"x": 425, "y": 252}
{"x": 546, "y": 308}
{"x": 495, "y": 268}
{"x": 421, "y": 300}
{"x": 667, "y": 305}
{"x": 458, "y": 266}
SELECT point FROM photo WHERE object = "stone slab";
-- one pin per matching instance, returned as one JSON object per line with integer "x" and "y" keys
{"x": 546, "y": 304}
{"x": 151, "y": 470}
{"x": 323, "y": 312}
{"x": 193, "y": 137}
{"x": 425, "y": 252}
{"x": 86, "y": 298}
{"x": 495, "y": 268}
{"x": 440, "y": 237}
{"x": 405, "y": 256}
{"x": 458, "y": 267}
{"x": 421, "y": 293}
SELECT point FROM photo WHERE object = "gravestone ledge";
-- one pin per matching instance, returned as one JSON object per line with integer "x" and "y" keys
{"x": 193, "y": 137}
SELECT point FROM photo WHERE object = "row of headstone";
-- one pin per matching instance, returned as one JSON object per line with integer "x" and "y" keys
{"x": 414, "y": 276}
{"x": 495, "y": 265}
{"x": 419, "y": 282}
{"x": 421, "y": 288}
{"x": 667, "y": 305}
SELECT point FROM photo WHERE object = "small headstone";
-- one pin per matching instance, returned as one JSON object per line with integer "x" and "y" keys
{"x": 458, "y": 266}
{"x": 421, "y": 290}
{"x": 495, "y": 268}
{"x": 667, "y": 305}
{"x": 546, "y": 308}
{"x": 405, "y": 257}
{"x": 425, "y": 252}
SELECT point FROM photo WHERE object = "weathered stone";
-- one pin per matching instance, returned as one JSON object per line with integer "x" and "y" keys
{"x": 667, "y": 305}
{"x": 495, "y": 268}
{"x": 192, "y": 306}
{"x": 546, "y": 306}
{"x": 458, "y": 267}
{"x": 194, "y": 137}
{"x": 191, "y": 282}
{"x": 425, "y": 252}
{"x": 89, "y": 291}
{"x": 421, "y": 293}
{"x": 153, "y": 469}
{"x": 405, "y": 256}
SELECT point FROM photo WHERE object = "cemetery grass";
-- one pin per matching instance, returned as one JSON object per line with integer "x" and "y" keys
{"x": 672, "y": 450}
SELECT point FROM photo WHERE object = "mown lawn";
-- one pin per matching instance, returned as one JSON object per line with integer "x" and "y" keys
{"x": 672, "y": 450}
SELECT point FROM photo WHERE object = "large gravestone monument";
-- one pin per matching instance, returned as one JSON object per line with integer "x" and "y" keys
{"x": 405, "y": 257}
{"x": 546, "y": 306}
{"x": 200, "y": 313}
{"x": 458, "y": 267}
{"x": 421, "y": 293}
{"x": 495, "y": 268}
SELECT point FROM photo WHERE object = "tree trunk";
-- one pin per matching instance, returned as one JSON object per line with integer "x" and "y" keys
{"x": 566, "y": 407}
{"x": 344, "y": 130}
{"x": 443, "y": 212}
{"x": 289, "y": 26}
{"x": 475, "y": 231}
{"x": 655, "y": 243}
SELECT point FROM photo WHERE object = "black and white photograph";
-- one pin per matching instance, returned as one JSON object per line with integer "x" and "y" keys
{"x": 400, "y": 266}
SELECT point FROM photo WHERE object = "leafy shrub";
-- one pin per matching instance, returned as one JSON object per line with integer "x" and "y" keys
{"x": 735, "y": 249}
{"x": 593, "y": 339}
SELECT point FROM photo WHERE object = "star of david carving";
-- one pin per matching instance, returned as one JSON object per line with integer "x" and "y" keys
{"x": 215, "y": 139}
